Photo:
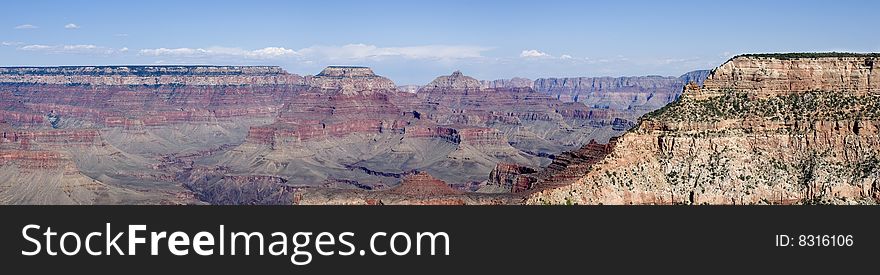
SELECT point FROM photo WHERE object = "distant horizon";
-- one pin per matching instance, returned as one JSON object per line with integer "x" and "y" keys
{"x": 409, "y": 84}
{"x": 352, "y": 66}
{"x": 412, "y": 42}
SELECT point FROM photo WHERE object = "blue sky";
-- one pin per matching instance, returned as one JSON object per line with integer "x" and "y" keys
{"x": 414, "y": 41}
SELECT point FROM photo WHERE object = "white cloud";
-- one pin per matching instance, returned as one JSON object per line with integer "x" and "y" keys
{"x": 565, "y": 56}
{"x": 346, "y": 52}
{"x": 35, "y": 47}
{"x": 173, "y": 52}
{"x": 264, "y": 53}
{"x": 533, "y": 54}
{"x": 9, "y": 43}
{"x": 26, "y": 27}
{"x": 363, "y": 51}
{"x": 71, "y": 49}
{"x": 71, "y": 26}
{"x": 272, "y": 52}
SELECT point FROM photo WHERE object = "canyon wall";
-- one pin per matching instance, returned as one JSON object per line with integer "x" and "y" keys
{"x": 640, "y": 94}
{"x": 259, "y": 135}
{"x": 350, "y": 80}
{"x": 516, "y": 82}
{"x": 149, "y": 75}
{"x": 629, "y": 96}
{"x": 768, "y": 76}
{"x": 763, "y": 129}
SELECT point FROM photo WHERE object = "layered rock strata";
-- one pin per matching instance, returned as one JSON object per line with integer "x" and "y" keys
{"x": 763, "y": 129}
{"x": 259, "y": 135}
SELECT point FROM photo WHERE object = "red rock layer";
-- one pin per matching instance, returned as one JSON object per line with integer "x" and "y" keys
{"x": 140, "y": 105}
{"x": 318, "y": 114}
{"x": 482, "y": 136}
{"x": 513, "y": 177}
{"x": 87, "y": 136}
{"x": 21, "y": 118}
{"x": 568, "y": 167}
{"x": 29, "y": 160}
{"x": 423, "y": 184}
{"x": 350, "y": 80}
{"x": 446, "y": 133}
{"x": 765, "y": 76}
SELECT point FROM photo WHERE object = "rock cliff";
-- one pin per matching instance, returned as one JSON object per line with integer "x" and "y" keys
{"x": 777, "y": 75}
{"x": 763, "y": 129}
{"x": 456, "y": 80}
{"x": 639, "y": 94}
{"x": 350, "y": 80}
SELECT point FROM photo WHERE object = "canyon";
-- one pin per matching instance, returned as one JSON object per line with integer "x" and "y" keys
{"x": 260, "y": 135}
{"x": 758, "y": 129}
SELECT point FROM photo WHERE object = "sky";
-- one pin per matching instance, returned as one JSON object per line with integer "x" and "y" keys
{"x": 412, "y": 42}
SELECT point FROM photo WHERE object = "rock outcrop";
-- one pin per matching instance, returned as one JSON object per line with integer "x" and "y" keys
{"x": 776, "y": 75}
{"x": 456, "y": 81}
{"x": 350, "y": 80}
{"x": 423, "y": 185}
{"x": 763, "y": 129}
{"x": 512, "y": 177}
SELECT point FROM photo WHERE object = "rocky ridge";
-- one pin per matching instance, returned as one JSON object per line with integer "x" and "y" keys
{"x": 350, "y": 80}
{"x": 630, "y": 96}
{"x": 765, "y": 129}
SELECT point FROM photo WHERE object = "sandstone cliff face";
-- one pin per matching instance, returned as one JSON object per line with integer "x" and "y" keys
{"x": 761, "y": 130}
{"x": 454, "y": 81}
{"x": 768, "y": 76}
{"x": 350, "y": 80}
